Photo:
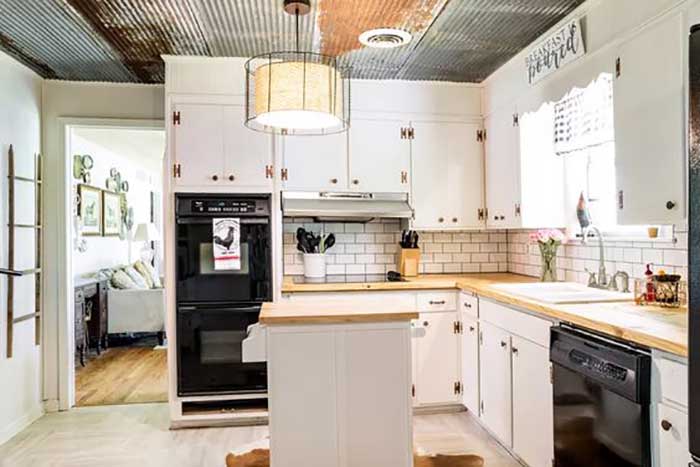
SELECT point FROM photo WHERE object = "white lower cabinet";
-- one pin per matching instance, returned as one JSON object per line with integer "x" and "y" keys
{"x": 436, "y": 359}
{"x": 496, "y": 389}
{"x": 470, "y": 363}
{"x": 673, "y": 436}
{"x": 533, "y": 416}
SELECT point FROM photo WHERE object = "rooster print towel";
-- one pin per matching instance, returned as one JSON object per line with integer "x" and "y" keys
{"x": 227, "y": 244}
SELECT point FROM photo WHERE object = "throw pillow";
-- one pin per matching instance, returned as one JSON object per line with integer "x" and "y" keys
{"x": 121, "y": 280}
{"x": 136, "y": 277}
{"x": 141, "y": 268}
{"x": 154, "y": 275}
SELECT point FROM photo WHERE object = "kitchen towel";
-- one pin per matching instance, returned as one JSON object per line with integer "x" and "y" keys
{"x": 227, "y": 244}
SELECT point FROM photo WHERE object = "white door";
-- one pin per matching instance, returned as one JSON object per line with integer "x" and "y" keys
{"x": 673, "y": 436}
{"x": 533, "y": 418}
{"x": 447, "y": 186}
{"x": 495, "y": 381}
{"x": 502, "y": 153}
{"x": 248, "y": 153}
{"x": 470, "y": 363}
{"x": 316, "y": 163}
{"x": 198, "y": 141}
{"x": 649, "y": 126}
{"x": 379, "y": 158}
{"x": 437, "y": 364}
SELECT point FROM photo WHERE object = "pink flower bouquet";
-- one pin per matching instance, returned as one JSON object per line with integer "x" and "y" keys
{"x": 548, "y": 241}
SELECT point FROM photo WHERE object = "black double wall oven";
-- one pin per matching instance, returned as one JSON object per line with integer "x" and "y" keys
{"x": 216, "y": 307}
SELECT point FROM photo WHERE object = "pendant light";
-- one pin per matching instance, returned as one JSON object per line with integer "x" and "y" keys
{"x": 297, "y": 93}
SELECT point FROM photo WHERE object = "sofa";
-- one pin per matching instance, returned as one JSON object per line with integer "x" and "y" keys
{"x": 136, "y": 310}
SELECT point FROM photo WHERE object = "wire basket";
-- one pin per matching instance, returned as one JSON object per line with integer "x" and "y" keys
{"x": 667, "y": 291}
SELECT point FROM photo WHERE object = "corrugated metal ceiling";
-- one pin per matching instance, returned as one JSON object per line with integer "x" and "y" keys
{"x": 122, "y": 40}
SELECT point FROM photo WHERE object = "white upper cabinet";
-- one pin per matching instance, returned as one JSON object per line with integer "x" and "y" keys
{"x": 380, "y": 155}
{"x": 198, "y": 142}
{"x": 315, "y": 163}
{"x": 649, "y": 125}
{"x": 213, "y": 148}
{"x": 502, "y": 170}
{"x": 247, "y": 153}
{"x": 533, "y": 417}
{"x": 447, "y": 184}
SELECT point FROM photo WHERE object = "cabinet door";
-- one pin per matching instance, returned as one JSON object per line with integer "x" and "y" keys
{"x": 502, "y": 170}
{"x": 533, "y": 418}
{"x": 379, "y": 157}
{"x": 316, "y": 163}
{"x": 673, "y": 436}
{"x": 248, "y": 153}
{"x": 649, "y": 126}
{"x": 198, "y": 142}
{"x": 447, "y": 184}
{"x": 437, "y": 365}
{"x": 470, "y": 363}
{"x": 495, "y": 382}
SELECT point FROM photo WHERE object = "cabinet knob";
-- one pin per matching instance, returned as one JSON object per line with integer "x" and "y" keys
{"x": 355, "y": 182}
{"x": 454, "y": 219}
{"x": 334, "y": 181}
{"x": 670, "y": 205}
{"x": 441, "y": 219}
{"x": 426, "y": 323}
{"x": 504, "y": 344}
{"x": 514, "y": 350}
{"x": 215, "y": 177}
{"x": 231, "y": 177}
{"x": 471, "y": 329}
{"x": 666, "y": 425}
{"x": 502, "y": 218}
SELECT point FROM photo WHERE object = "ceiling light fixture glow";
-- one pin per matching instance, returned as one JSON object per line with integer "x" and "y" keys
{"x": 385, "y": 38}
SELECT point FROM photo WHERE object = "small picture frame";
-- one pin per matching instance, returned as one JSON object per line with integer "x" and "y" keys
{"x": 90, "y": 209}
{"x": 112, "y": 214}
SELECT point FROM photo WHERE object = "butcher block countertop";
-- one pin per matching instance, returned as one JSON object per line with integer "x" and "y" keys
{"x": 655, "y": 327}
{"x": 333, "y": 312}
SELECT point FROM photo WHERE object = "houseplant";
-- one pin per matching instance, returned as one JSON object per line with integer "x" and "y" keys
{"x": 548, "y": 241}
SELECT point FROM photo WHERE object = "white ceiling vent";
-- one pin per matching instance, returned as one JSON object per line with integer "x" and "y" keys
{"x": 385, "y": 38}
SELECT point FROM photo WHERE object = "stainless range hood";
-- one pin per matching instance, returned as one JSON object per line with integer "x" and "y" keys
{"x": 346, "y": 207}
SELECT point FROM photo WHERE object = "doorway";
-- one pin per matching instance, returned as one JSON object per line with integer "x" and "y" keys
{"x": 116, "y": 345}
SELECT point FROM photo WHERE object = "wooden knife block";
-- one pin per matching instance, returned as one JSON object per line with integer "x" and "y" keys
{"x": 409, "y": 261}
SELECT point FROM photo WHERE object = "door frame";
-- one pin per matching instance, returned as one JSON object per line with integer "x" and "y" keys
{"x": 58, "y": 348}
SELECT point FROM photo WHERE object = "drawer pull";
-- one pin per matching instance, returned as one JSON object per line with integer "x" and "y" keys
{"x": 437, "y": 302}
{"x": 514, "y": 350}
{"x": 666, "y": 425}
{"x": 467, "y": 305}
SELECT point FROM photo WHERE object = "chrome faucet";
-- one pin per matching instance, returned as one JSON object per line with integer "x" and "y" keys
{"x": 625, "y": 286}
{"x": 602, "y": 281}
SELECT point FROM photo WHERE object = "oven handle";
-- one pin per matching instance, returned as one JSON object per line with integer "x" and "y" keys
{"x": 207, "y": 220}
{"x": 227, "y": 309}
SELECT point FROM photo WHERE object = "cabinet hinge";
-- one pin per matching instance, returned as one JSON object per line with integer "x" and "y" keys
{"x": 551, "y": 374}
{"x": 177, "y": 171}
{"x": 404, "y": 132}
{"x": 176, "y": 118}
{"x": 480, "y": 136}
{"x": 411, "y": 133}
{"x": 458, "y": 387}
{"x": 481, "y": 406}
{"x": 621, "y": 199}
{"x": 413, "y": 390}
{"x": 284, "y": 174}
{"x": 517, "y": 210}
{"x": 404, "y": 176}
{"x": 269, "y": 171}
{"x": 480, "y": 213}
{"x": 458, "y": 327}
{"x": 481, "y": 338}
{"x": 516, "y": 120}
{"x": 618, "y": 67}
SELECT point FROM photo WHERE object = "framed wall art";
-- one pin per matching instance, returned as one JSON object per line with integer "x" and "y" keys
{"x": 90, "y": 209}
{"x": 112, "y": 215}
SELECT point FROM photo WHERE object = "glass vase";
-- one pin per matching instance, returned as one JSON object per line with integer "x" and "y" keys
{"x": 549, "y": 263}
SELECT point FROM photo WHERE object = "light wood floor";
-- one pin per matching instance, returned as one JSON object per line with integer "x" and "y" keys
{"x": 138, "y": 435}
{"x": 123, "y": 375}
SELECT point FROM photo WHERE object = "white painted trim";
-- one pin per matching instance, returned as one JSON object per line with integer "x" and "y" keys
{"x": 20, "y": 424}
{"x": 62, "y": 363}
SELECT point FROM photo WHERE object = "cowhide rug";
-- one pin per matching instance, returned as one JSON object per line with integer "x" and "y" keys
{"x": 261, "y": 458}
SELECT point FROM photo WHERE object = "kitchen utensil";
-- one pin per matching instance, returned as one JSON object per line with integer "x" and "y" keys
{"x": 393, "y": 276}
{"x": 414, "y": 239}
{"x": 328, "y": 242}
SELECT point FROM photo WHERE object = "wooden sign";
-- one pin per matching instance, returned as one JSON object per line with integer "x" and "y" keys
{"x": 562, "y": 47}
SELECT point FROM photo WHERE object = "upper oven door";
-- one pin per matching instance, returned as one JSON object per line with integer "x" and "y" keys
{"x": 199, "y": 282}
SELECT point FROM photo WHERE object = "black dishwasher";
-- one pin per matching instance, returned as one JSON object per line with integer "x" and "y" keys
{"x": 601, "y": 401}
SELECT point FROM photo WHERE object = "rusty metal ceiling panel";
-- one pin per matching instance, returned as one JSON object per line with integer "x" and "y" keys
{"x": 122, "y": 40}
{"x": 472, "y": 38}
{"x": 56, "y": 42}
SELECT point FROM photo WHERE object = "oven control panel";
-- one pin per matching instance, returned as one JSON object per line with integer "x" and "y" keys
{"x": 209, "y": 205}
{"x": 223, "y": 206}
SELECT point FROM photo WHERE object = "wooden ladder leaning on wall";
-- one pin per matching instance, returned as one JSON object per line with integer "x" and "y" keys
{"x": 12, "y": 226}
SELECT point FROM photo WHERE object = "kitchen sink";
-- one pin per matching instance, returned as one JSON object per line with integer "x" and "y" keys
{"x": 563, "y": 293}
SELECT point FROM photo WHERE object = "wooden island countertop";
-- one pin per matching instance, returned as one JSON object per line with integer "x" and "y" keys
{"x": 334, "y": 312}
{"x": 654, "y": 327}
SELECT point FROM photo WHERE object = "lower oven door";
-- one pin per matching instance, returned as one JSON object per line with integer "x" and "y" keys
{"x": 210, "y": 351}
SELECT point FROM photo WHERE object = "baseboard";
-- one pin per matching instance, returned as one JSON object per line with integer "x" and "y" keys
{"x": 51, "y": 406}
{"x": 439, "y": 409}
{"x": 8, "y": 432}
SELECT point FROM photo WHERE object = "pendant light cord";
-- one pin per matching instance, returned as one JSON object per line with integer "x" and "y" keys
{"x": 297, "y": 26}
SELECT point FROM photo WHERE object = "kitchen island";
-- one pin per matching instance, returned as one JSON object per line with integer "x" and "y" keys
{"x": 339, "y": 377}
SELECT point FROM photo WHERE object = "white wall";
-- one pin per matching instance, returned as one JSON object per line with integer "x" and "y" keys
{"x": 69, "y": 100}
{"x": 106, "y": 252}
{"x": 20, "y": 125}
